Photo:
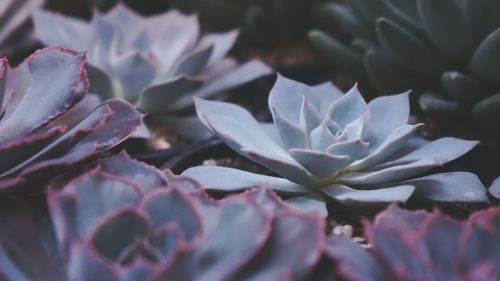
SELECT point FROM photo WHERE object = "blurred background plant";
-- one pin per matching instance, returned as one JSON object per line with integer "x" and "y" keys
{"x": 15, "y": 27}
{"x": 450, "y": 61}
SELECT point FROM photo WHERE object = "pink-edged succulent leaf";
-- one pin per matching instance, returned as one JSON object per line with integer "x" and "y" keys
{"x": 107, "y": 227}
{"x": 47, "y": 120}
{"x": 417, "y": 245}
{"x": 337, "y": 144}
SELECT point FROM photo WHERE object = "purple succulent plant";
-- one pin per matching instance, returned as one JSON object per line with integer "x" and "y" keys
{"x": 338, "y": 146}
{"x": 14, "y": 22}
{"x": 120, "y": 219}
{"x": 159, "y": 63}
{"x": 47, "y": 120}
{"x": 416, "y": 246}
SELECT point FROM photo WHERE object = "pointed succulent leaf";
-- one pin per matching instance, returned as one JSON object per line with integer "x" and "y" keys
{"x": 424, "y": 245}
{"x": 84, "y": 264}
{"x": 494, "y": 189}
{"x": 348, "y": 108}
{"x": 222, "y": 178}
{"x": 368, "y": 147}
{"x": 170, "y": 206}
{"x": 156, "y": 98}
{"x": 350, "y": 196}
{"x": 130, "y": 55}
{"x": 450, "y": 187}
{"x": 320, "y": 164}
{"x": 117, "y": 232}
{"x": 307, "y": 236}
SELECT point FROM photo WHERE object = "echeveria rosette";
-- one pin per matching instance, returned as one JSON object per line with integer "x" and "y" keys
{"x": 123, "y": 220}
{"x": 418, "y": 245}
{"x": 323, "y": 141}
{"x": 15, "y": 33}
{"x": 159, "y": 63}
{"x": 47, "y": 120}
{"x": 398, "y": 45}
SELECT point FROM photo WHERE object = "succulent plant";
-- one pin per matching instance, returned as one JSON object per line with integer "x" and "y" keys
{"x": 14, "y": 23}
{"x": 263, "y": 22}
{"x": 159, "y": 62}
{"x": 47, "y": 120}
{"x": 446, "y": 49}
{"x": 413, "y": 246}
{"x": 336, "y": 145}
{"x": 123, "y": 220}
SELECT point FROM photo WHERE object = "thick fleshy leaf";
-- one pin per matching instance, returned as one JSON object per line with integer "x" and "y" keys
{"x": 461, "y": 86}
{"x": 194, "y": 63}
{"x": 73, "y": 218}
{"x": 450, "y": 34}
{"x": 355, "y": 262}
{"x": 60, "y": 88}
{"x": 494, "y": 189}
{"x": 219, "y": 254}
{"x": 387, "y": 114}
{"x": 85, "y": 265}
{"x": 221, "y": 118}
{"x": 117, "y": 231}
{"x": 380, "y": 175}
{"x": 291, "y": 135}
{"x": 228, "y": 80}
{"x": 162, "y": 97}
{"x": 170, "y": 206}
{"x": 135, "y": 73}
{"x": 450, "y": 187}
{"x": 483, "y": 63}
{"x": 224, "y": 179}
{"x": 424, "y": 246}
{"x": 58, "y": 30}
{"x": 350, "y": 196}
{"x": 144, "y": 176}
{"x": 441, "y": 151}
{"x": 320, "y": 164}
{"x": 306, "y": 233}
{"x": 348, "y": 108}
{"x": 287, "y": 96}
{"x": 407, "y": 49}
{"x": 397, "y": 139}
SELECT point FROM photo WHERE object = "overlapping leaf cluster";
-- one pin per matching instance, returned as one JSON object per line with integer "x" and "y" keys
{"x": 446, "y": 49}
{"x": 159, "y": 63}
{"x": 47, "y": 120}
{"x": 123, "y": 220}
{"x": 422, "y": 246}
{"x": 323, "y": 141}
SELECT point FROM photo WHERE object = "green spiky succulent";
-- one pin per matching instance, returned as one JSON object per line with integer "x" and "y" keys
{"x": 448, "y": 50}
